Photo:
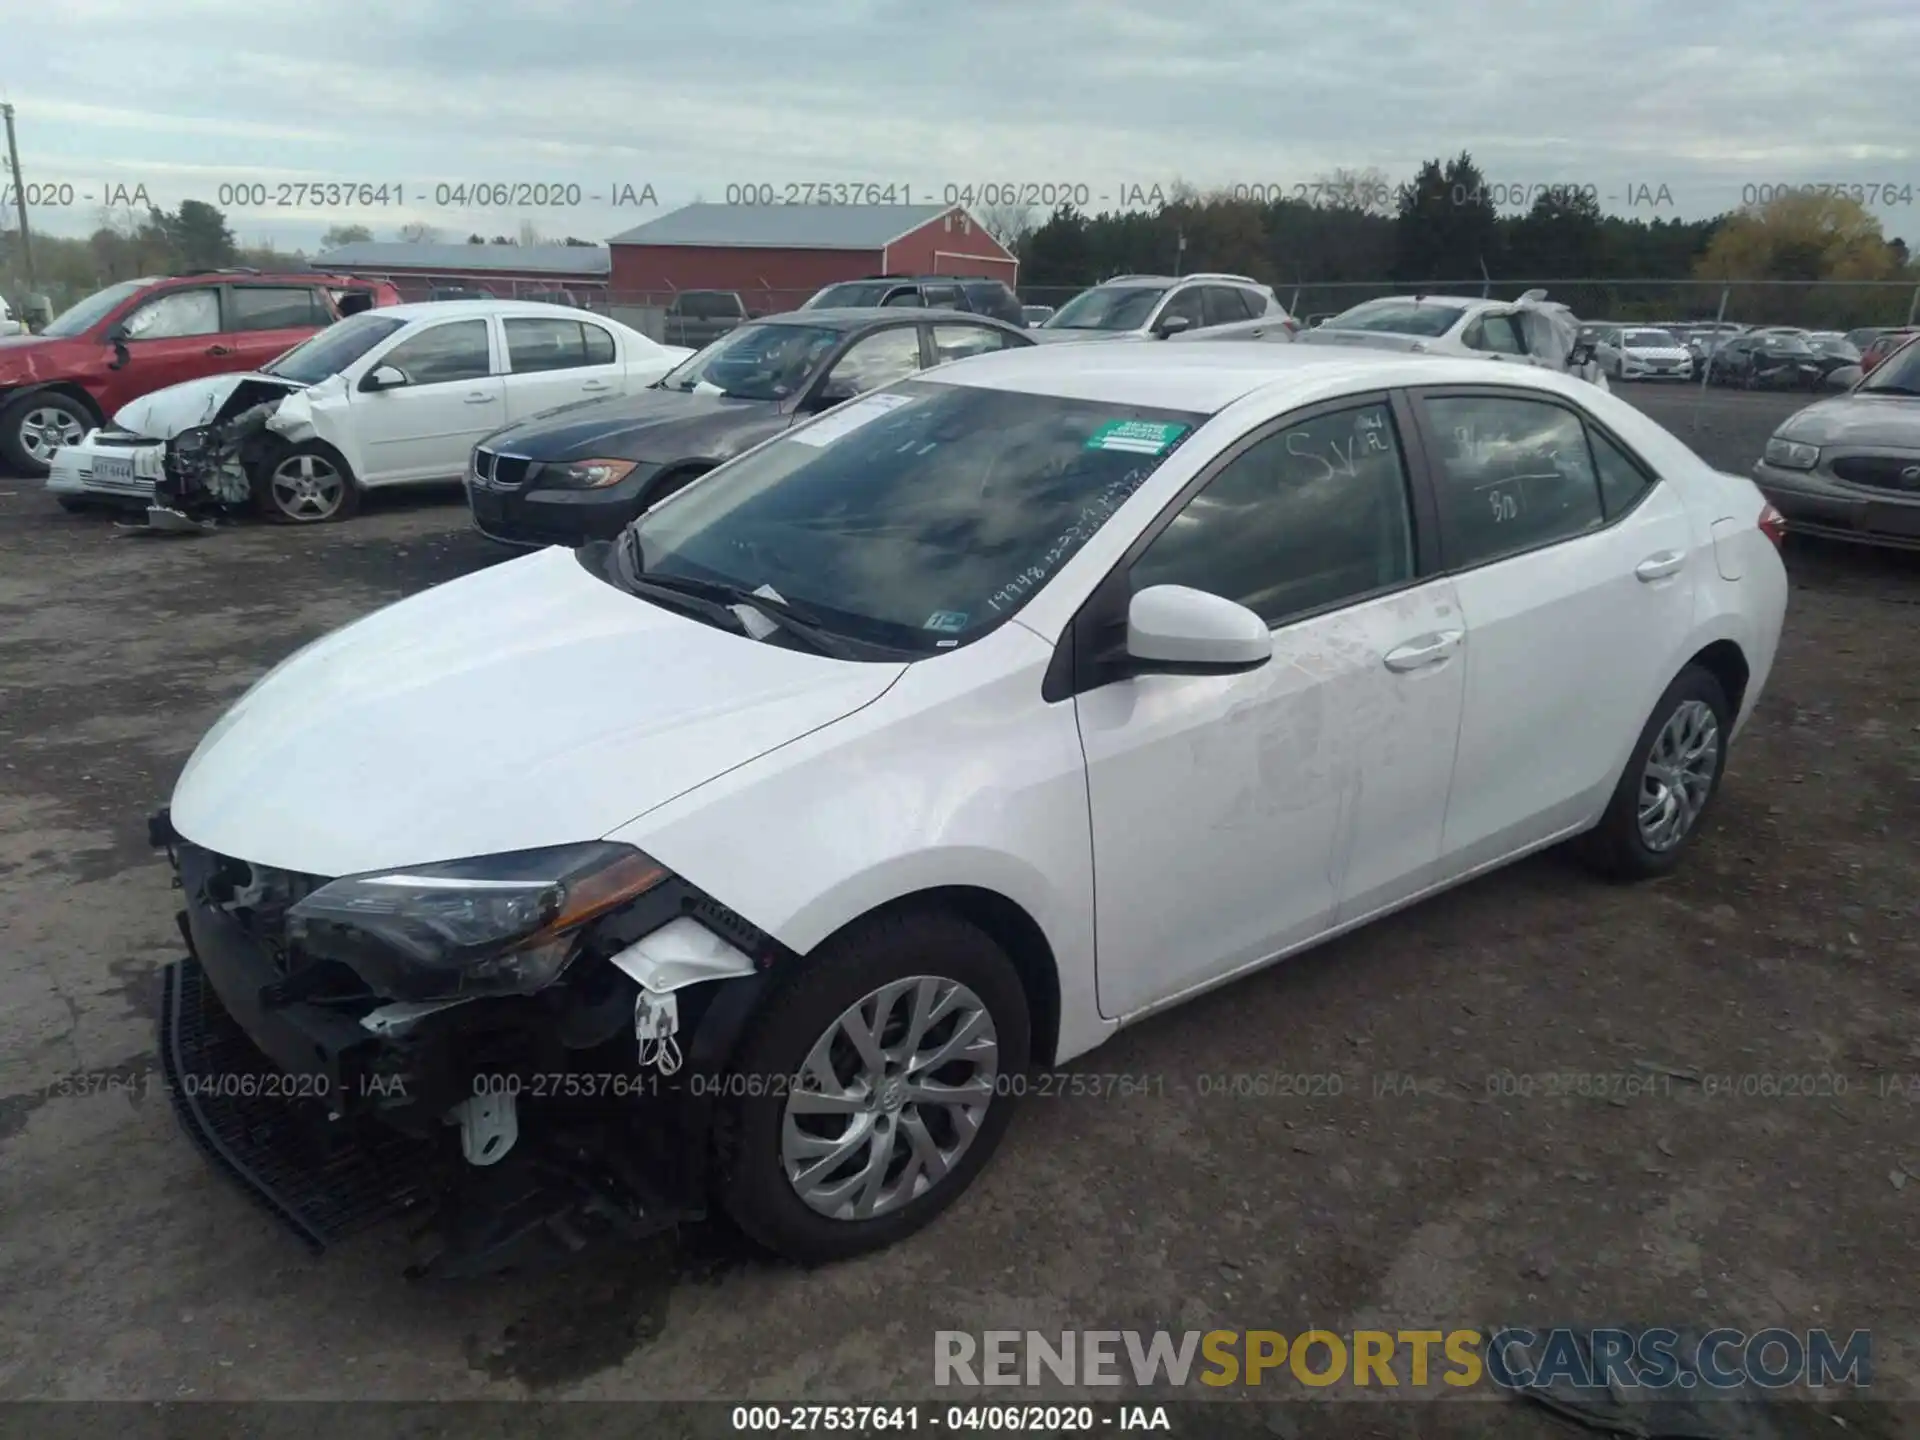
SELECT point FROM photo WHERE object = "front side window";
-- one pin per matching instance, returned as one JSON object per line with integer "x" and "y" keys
{"x": 918, "y": 518}
{"x": 1185, "y": 305}
{"x": 176, "y": 314}
{"x": 1306, "y": 518}
{"x": 1108, "y": 307}
{"x": 1514, "y": 474}
{"x": 872, "y": 361}
{"x": 444, "y": 353}
{"x": 1495, "y": 334}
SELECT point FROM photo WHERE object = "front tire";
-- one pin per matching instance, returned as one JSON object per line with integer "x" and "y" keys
{"x": 305, "y": 485}
{"x": 874, "y": 1087}
{"x": 34, "y": 426}
{"x": 1668, "y": 787}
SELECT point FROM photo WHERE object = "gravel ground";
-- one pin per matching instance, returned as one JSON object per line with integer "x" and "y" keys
{"x": 1455, "y": 1178}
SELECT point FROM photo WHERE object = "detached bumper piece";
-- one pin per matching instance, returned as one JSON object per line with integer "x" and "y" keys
{"x": 324, "y": 1181}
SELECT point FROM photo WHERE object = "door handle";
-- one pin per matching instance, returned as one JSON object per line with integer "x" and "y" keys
{"x": 1660, "y": 566}
{"x": 595, "y": 385}
{"x": 1426, "y": 650}
{"x": 219, "y": 350}
{"x": 480, "y": 397}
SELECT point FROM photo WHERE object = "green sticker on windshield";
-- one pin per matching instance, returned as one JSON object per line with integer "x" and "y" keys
{"x": 1136, "y": 437}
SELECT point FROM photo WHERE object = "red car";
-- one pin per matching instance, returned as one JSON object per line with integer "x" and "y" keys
{"x": 1884, "y": 345}
{"x": 140, "y": 335}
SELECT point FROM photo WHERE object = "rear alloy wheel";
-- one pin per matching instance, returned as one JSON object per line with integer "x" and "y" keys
{"x": 1670, "y": 781}
{"x": 307, "y": 486}
{"x": 872, "y": 1088}
{"x": 34, "y": 427}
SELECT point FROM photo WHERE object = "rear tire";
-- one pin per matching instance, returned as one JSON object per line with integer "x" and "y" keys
{"x": 74, "y": 505}
{"x": 1667, "y": 790}
{"x": 880, "y": 1123}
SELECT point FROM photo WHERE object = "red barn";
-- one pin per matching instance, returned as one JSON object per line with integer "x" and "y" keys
{"x": 504, "y": 271}
{"x": 775, "y": 256}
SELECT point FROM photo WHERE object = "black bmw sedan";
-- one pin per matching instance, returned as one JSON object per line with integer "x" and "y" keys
{"x": 582, "y": 472}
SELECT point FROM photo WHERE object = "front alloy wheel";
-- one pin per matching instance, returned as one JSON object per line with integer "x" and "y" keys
{"x": 872, "y": 1086}
{"x": 307, "y": 488}
{"x": 890, "y": 1097}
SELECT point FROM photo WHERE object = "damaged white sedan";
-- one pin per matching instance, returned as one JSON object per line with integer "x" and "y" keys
{"x": 396, "y": 396}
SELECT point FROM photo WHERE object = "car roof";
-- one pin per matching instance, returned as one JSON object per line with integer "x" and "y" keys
{"x": 423, "y": 309}
{"x": 1208, "y": 376}
{"x": 852, "y": 317}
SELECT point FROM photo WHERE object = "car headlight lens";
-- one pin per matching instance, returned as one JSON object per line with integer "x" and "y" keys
{"x": 495, "y": 924}
{"x": 585, "y": 474}
{"x": 1792, "y": 454}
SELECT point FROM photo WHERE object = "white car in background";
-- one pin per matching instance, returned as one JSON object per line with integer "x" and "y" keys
{"x": 1638, "y": 352}
{"x": 1530, "y": 331}
{"x": 1166, "y": 307}
{"x": 814, "y": 774}
{"x": 394, "y": 396}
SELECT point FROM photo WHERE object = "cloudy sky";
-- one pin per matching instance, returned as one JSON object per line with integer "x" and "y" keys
{"x": 1663, "y": 109}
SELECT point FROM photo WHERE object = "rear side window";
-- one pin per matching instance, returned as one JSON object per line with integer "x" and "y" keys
{"x": 1496, "y": 334}
{"x": 275, "y": 307}
{"x": 956, "y": 342}
{"x": 1514, "y": 474}
{"x": 942, "y": 297}
{"x": 537, "y": 343}
{"x": 1622, "y": 481}
{"x": 1307, "y": 518}
{"x": 600, "y": 347}
{"x": 1225, "y": 305}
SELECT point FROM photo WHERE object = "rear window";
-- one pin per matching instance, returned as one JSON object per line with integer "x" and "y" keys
{"x": 850, "y": 295}
{"x": 1399, "y": 317}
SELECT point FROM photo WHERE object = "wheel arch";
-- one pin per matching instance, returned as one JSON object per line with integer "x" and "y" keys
{"x": 1726, "y": 662}
{"x": 65, "y": 389}
{"x": 1006, "y": 922}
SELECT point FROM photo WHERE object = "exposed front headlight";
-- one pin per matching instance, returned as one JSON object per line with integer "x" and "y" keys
{"x": 1792, "y": 454}
{"x": 495, "y": 924}
{"x": 585, "y": 474}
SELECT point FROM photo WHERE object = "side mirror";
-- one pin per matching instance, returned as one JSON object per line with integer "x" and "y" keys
{"x": 1176, "y": 630}
{"x": 1172, "y": 325}
{"x": 383, "y": 377}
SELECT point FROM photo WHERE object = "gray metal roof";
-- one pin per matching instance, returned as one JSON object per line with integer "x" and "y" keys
{"x": 784, "y": 227}
{"x": 521, "y": 259}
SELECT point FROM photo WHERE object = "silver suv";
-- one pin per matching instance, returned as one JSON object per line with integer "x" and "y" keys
{"x": 1158, "y": 307}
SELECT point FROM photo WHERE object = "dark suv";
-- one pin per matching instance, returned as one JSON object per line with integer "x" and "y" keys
{"x": 935, "y": 292}
{"x": 697, "y": 318}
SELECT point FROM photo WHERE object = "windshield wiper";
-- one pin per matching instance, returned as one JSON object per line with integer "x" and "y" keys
{"x": 715, "y": 598}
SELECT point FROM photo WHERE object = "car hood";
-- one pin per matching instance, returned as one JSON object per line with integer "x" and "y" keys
{"x": 166, "y": 413}
{"x": 1889, "y": 420}
{"x": 526, "y": 705}
{"x": 652, "y": 425}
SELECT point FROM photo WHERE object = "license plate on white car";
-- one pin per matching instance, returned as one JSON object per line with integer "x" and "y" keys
{"x": 112, "y": 467}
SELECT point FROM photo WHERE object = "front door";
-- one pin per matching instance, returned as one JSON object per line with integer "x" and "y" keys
{"x": 426, "y": 428}
{"x": 1573, "y": 565}
{"x": 1232, "y": 815}
{"x": 175, "y": 336}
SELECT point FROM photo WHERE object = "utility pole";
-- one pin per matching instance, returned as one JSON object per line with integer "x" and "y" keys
{"x": 19, "y": 195}
{"x": 1179, "y": 252}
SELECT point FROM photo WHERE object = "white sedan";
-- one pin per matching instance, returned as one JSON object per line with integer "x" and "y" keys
{"x": 1529, "y": 331}
{"x": 951, "y": 732}
{"x": 393, "y": 396}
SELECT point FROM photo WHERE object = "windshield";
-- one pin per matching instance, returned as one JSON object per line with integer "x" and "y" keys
{"x": 1398, "y": 317}
{"x": 1898, "y": 374}
{"x": 333, "y": 349}
{"x": 1786, "y": 345}
{"x": 918, "y": 517}
{"x": 853, "y": 295}
{"x": 1650, "y": 340}
{"x": 1108, "y": 307}
{"x": 756, "y": 362}
{"x": 1836, "y": 346}
{"x": 80, "y": 318}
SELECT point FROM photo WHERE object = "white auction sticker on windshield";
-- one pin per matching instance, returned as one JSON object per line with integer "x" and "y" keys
{"x": 848, "y": 418}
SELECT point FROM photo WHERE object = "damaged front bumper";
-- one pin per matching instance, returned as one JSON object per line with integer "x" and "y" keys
{"x": 515, "y": 1129}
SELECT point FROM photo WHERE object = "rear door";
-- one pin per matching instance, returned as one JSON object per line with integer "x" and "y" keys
{"x": 174, "y": 336}
{"x": 556, "y": 360}
{"x": 425, "y": 429}
{"x": 1576, "y": 572}
{"x": 265, "y": 321}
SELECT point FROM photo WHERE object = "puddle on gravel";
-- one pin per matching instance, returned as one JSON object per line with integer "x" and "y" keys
{"x": 594, "y": 1313}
